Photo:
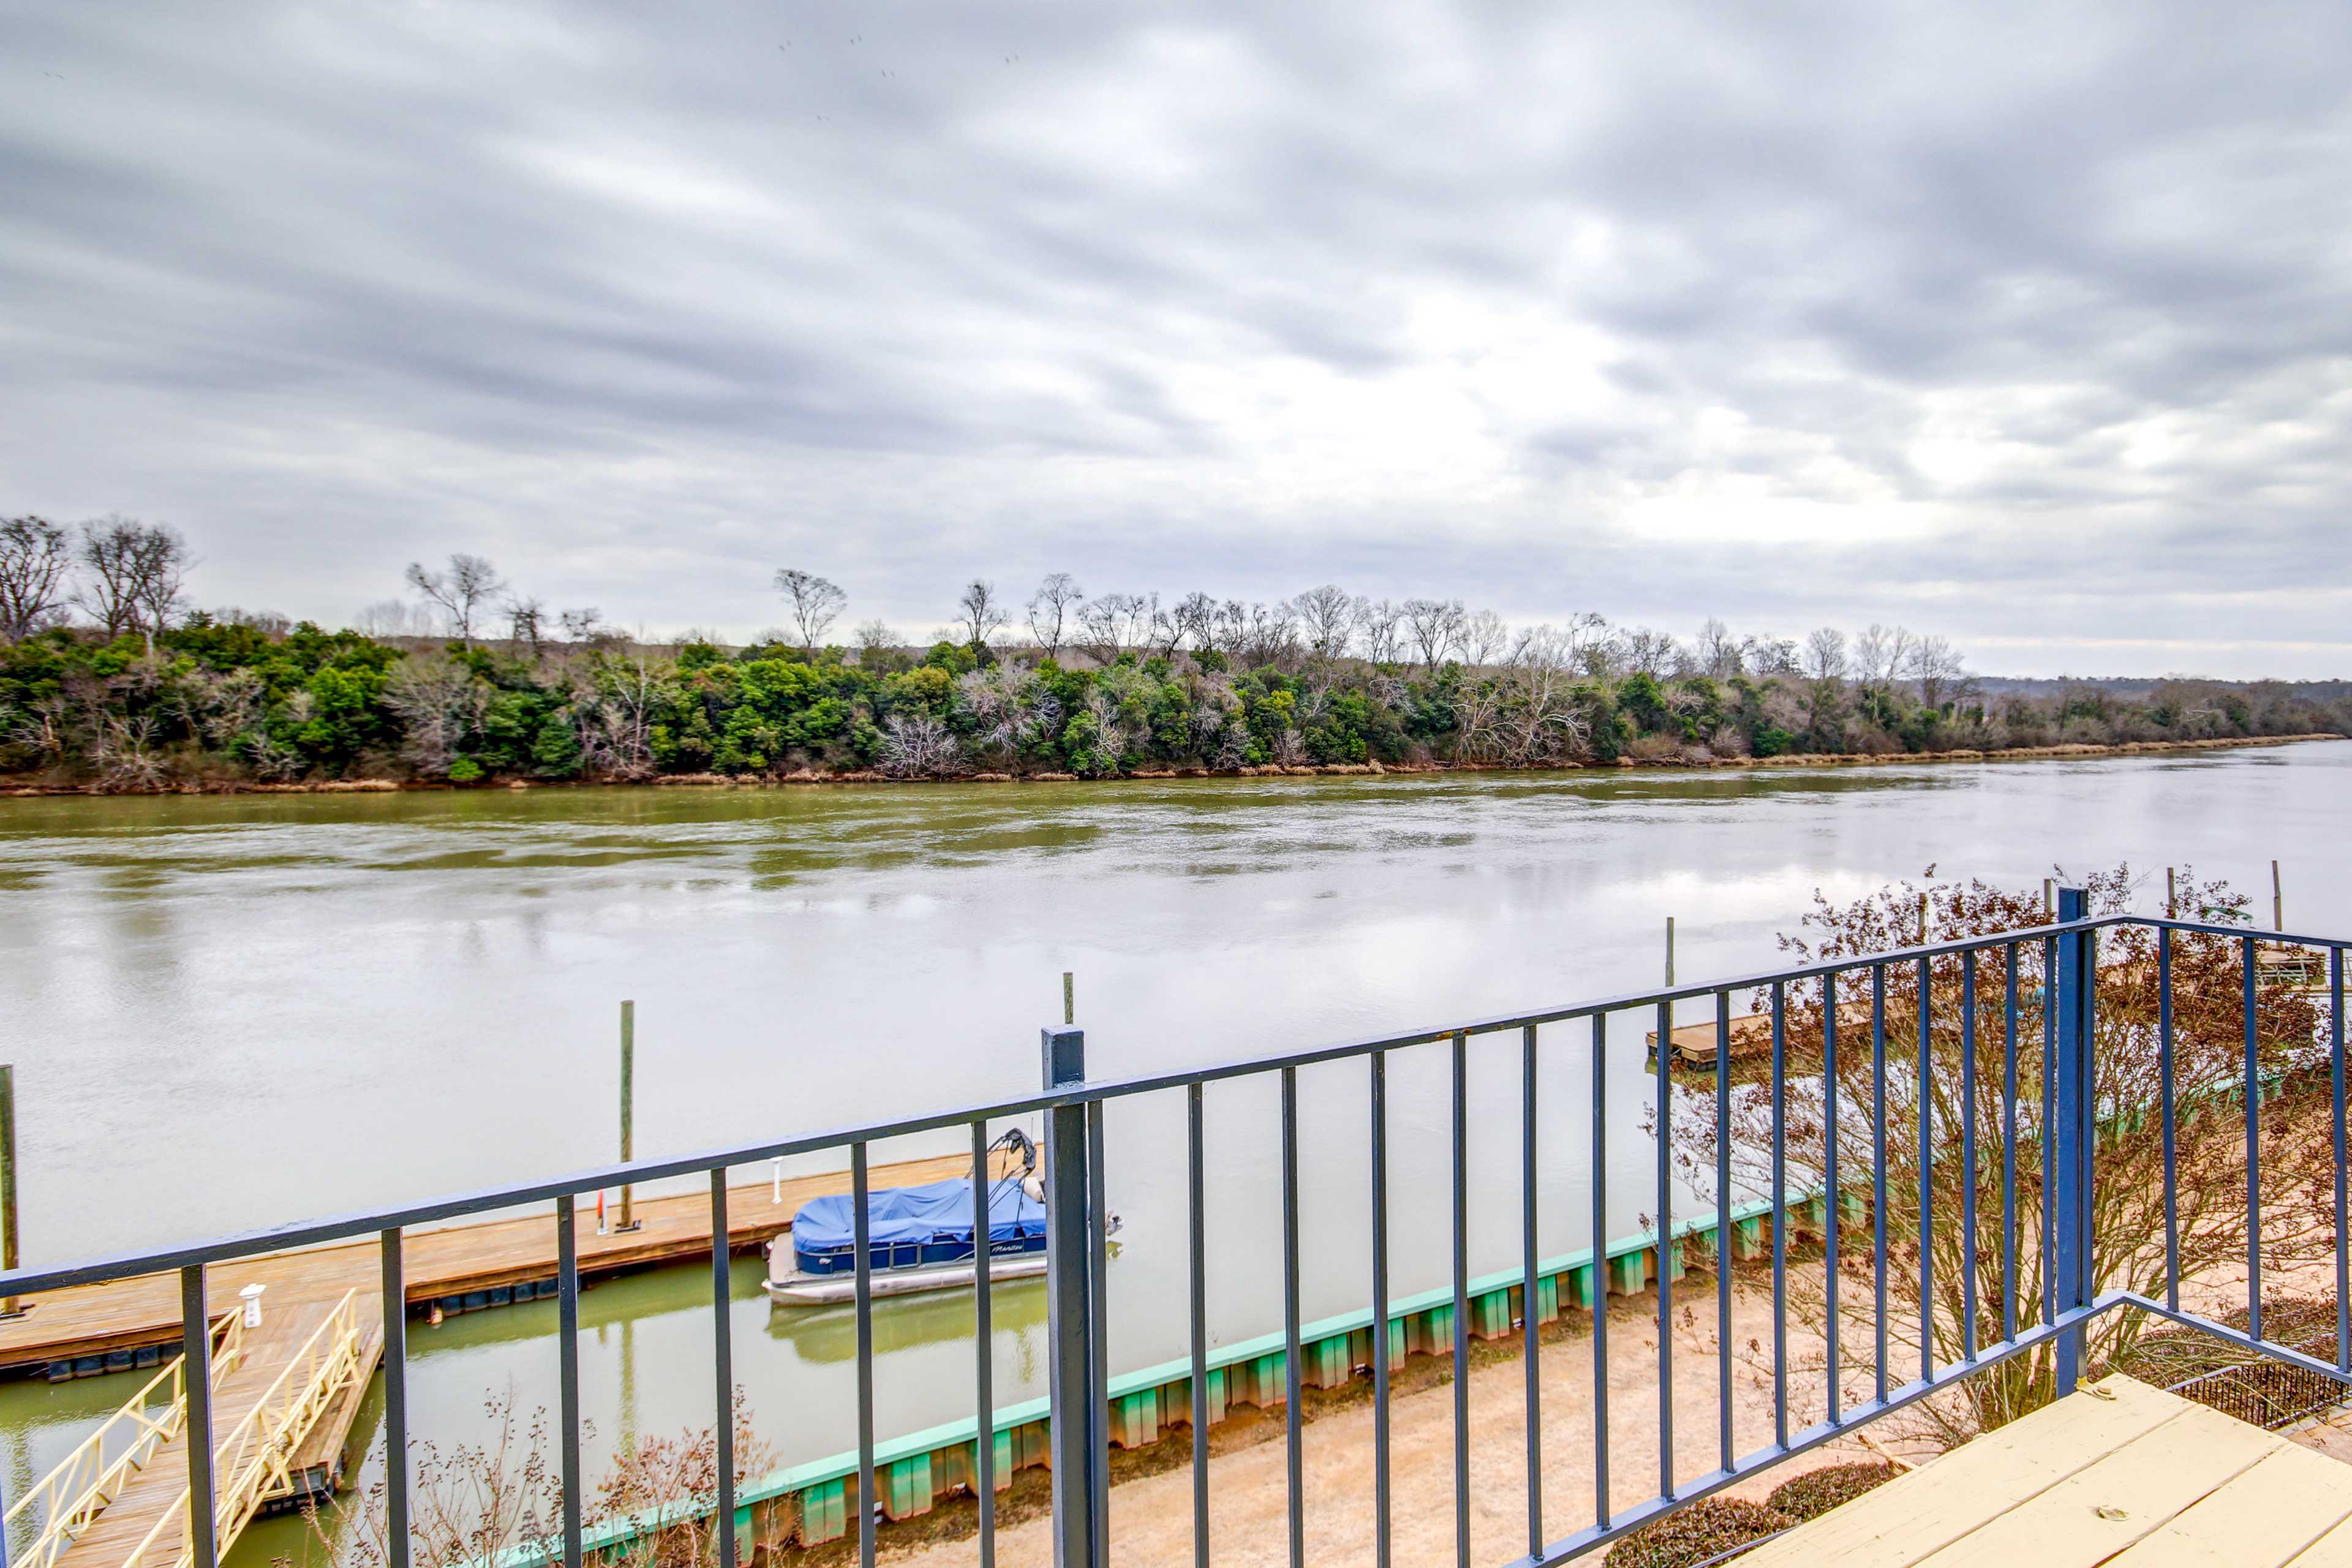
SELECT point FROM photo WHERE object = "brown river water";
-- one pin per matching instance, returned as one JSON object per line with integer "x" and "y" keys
{"x": 228, "y": 1012}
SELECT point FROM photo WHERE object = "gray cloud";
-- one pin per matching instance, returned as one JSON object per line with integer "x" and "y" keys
{"x": 2028, "y": 323}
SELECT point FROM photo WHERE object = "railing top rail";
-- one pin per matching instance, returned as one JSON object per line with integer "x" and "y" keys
{"x": 367, "y": 1223}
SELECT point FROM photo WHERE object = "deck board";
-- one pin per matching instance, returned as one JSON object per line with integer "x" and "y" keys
{"x": 2265, "y": 1515}
{"x": 2118, "y": 1474}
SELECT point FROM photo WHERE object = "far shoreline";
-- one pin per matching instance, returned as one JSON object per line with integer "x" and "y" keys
{"x": 21, "y": 788}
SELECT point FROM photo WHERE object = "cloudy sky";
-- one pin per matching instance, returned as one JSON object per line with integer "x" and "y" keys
{"x": 2027, "y": 324}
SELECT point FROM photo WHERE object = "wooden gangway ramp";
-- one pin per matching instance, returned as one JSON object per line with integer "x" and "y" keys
{"x": 2118, "y": 1475}
{"x": 283, "y": 1391}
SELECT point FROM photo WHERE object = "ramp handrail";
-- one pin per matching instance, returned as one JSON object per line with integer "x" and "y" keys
{"x": 255, "y": 1451}
{"x": 78, "y": 1490}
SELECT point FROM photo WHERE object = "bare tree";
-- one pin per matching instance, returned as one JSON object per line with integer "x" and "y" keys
{"x": 33, "y": 556}
{"x": 392, "y": 618}
{"x": 1195, "y": 616}
{"x": 816, "y": 602}
{"x": 1266, "y": 634}
{"x": 1434, "y": 626}
{"x": 1766, "y": 654}
{"x": 1114, "y": 624}
{"x": 1637, "y": 650}
{"x": 1717, "y": 652}
{"x": 527, "y": 622}
{"x": 874, "y": 637}
{"x": 462, "y": 592}
{"x": 1938, "y": 667}
{"x": 1380, "y": 623}
{"x": 1825, "y": 654}
{"x": 916, "y": 745}
{"x": 584, "y": 625}
{"x": 1483, "y": 638}
{"x": 1882, "y": 653}
{"x": 135, "y": 571}
{"x": 982, "y": 612}
{"x": 1328, "y": 617}
{"x": 1051, "y": 610}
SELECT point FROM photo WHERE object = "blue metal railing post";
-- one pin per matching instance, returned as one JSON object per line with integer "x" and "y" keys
{"x": 2073, "y": 990}
{"x": 1081, "y": 1426}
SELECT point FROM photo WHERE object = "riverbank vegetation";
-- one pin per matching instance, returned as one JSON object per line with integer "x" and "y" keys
{"x": 139, "y": 692}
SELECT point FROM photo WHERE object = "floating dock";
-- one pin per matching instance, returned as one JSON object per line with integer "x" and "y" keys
{"x": 91, "y": 1329}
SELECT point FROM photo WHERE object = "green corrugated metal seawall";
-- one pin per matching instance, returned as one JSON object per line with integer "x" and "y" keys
{"x": 812, "y": 1503}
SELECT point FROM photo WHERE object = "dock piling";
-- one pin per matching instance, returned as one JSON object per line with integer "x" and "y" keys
{"x": 12, "y": 1307}
{"x": 628, "y": 1107}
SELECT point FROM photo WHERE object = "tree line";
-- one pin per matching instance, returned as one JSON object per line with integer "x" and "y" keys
{"x": 108, "y": 678}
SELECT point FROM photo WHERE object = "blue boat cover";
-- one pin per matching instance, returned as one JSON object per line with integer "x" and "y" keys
{"x": 935, "y": 1212}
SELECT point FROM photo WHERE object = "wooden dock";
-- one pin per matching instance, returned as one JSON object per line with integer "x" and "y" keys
{"x": 2118, "y": 1474}
{"x": 1694, "y": 1045}
{"x": 87, "y": 1326}
{"x": 284, "y": 1393}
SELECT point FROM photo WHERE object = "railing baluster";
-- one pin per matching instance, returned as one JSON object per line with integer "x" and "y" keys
{"x": 1098, "y": 1302}
{"x": 1294, "y": 1416}
{"x": 1197, "y": 1245}
{"x": 1461, "y": 1302}
{"x": 2009, "y": 1280}
{"x": 1531, "y": 1344}
{"x": 567, "y": 1365}
{"x": 1080, "y": 1424}
{"x": 1878, "y": 1167}
{"x": 1830, "y": 1193}
{"x": 1968, "y": 1155}
{"x": 983, "y": 1340}
{"x": 2049, "y": 1128}
{"x": 1926, "y": 1173}
{"x": 196, "y": 1356}
{"x": 2164, "y": 1068}
{"x": 2073, "y": 997}
{"x": 1601, "y": 1268}
{"x": 1381, "y": 1499}
{"x": 861, "y": 1239}
{"x": 722, "y": 1358}
{"x": 2254, "y": 1152}
{"x": 1664, "y": 1252}
{"x": 395, "y": 1402}
{"x": 2335, "y": 1077}
{"x": 1726, "y": 1433}
{"x": 1780, "y": 1214}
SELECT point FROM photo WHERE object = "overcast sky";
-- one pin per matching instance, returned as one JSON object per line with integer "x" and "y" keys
{"x": 2026, "y": 324}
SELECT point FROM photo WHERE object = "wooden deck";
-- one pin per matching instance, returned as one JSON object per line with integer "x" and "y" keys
{"x": 93, "y": 1319}
{"x": 2119, "y": 1475}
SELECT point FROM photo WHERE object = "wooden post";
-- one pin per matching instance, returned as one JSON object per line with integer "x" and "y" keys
{"x": 1923, "y": 920}
{"x": 11, "y": 1307}
{"x": 2278, "y": 900}
{"x": 1670, "y": 950}
{"x": 628, "y": 1107}
{"x": 1069, "y": 999}
{"x": 2171, "y": 894}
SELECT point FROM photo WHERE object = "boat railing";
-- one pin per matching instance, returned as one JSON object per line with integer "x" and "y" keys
{"x": 2023, "y": 1005}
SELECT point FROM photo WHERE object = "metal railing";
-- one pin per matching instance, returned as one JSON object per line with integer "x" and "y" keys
{"x": 2036, "y": 1297}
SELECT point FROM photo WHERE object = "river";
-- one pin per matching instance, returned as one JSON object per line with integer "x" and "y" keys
{"x": 233, "y": 1011}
